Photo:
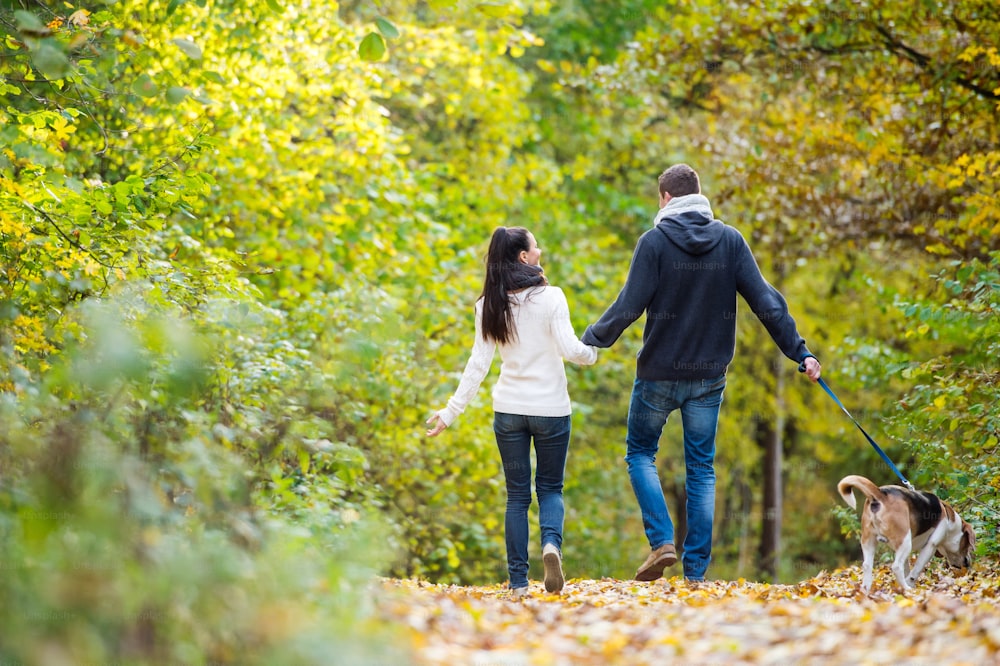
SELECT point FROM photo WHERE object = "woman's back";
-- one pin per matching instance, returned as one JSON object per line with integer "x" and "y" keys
{"x": 532, "y": 376}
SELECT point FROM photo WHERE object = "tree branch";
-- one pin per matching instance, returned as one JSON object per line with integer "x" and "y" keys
{"x": 64, "y": 235}
{"x": 926, "y": 63}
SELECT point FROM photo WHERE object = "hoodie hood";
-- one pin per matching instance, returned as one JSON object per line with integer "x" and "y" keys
{"x": 689, "y": 223}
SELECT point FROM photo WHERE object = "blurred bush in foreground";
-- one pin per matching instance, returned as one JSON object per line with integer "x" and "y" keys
{"x": 132, "y": 530}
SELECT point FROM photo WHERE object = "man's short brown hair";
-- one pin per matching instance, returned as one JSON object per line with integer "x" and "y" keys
{"x": 680, "y": 180}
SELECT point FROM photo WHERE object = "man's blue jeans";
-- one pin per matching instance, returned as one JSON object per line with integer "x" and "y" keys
{"x": 514, "y": 435}
{"x": 652, "y": 402}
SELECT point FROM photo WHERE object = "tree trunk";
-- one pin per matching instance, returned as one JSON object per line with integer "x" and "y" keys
{"x": 746, "y": 509}
{"x": 770, "y": 436}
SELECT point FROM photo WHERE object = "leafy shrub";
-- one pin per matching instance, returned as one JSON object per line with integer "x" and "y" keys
{"x": 949, "y": 418}
{"x": 945, "y": 418}
{"x": 134, "y": 528}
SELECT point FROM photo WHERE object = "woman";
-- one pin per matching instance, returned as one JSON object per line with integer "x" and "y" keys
{"x": 529, "y": 321}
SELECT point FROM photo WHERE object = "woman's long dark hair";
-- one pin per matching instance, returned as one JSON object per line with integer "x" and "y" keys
{"x": 506, "y": 273}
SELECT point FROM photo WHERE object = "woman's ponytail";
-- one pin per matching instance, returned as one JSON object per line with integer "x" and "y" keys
{"x": 496, "y": 322}
{"x": 505, "y": 273}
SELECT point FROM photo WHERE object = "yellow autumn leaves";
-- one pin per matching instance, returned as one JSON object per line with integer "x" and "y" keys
{"x": 823, "y": 619}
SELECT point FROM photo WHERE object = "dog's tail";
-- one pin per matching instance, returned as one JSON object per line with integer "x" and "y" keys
{"x": 867, "y": 488}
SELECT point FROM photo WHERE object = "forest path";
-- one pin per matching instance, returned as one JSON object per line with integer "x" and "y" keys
{"x": 824, "y": 620}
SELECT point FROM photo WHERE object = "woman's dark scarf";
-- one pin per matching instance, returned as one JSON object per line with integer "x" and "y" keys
{"x": 521, "y": 276}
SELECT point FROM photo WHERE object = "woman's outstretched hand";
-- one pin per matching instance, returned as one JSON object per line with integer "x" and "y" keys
{"x": 437, "y": 427}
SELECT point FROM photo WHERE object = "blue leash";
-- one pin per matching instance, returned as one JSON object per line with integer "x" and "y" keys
{"x": 867, "y": 436}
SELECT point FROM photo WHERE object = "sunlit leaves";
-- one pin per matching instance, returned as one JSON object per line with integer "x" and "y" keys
{"x": 372, "y": 47}
{"x": 145, "y": 86}
{"x": 356, "y": 199}
{"x": 866, "y": 92}
{"x": 80, "y": 17}
{"x": 944, "y": 417}
{"x": 493, "y": 9}
{"x": 387, "y": 29}
{"x": 50, "y": 60}
{"x": 30, "y": 25}
{"x": 177, "y": 94}
{"x": 48, "y": 53}
{"x": 189, "y": 48}
{"x": 137, "y": 372}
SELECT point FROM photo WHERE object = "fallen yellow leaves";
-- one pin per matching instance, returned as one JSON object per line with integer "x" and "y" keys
{"x": 821, "y": 620}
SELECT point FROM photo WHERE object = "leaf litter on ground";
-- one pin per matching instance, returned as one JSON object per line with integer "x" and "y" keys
{"x": 823, "y": 620}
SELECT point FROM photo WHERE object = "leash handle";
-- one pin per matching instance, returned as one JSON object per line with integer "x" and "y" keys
{"x": 871, "y": 441}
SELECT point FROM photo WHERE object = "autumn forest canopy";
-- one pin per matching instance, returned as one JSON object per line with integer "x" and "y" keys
{"x": 241, "y": 242}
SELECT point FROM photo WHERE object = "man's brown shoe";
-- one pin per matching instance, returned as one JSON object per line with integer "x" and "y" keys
{"x": 658, "y": 560}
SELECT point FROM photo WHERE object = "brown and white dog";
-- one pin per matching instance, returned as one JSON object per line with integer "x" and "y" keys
{"x": 907, "y": 520}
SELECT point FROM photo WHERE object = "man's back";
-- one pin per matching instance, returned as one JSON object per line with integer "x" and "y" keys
{"x": 685, "y": 275}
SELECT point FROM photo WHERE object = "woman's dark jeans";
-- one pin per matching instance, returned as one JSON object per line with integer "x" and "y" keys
{"x": 514, "y": 434}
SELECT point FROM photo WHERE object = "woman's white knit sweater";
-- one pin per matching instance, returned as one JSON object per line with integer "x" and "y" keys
{"x": 532, "y": 376}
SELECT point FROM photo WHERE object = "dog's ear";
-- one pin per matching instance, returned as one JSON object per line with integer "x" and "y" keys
{"x": 968, "y": 535}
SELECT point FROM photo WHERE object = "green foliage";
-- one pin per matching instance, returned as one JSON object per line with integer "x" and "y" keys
{"x": 288, "y": 209}
{"x": 948, "y": 417}
{"x": 827, "y": 134}
{"x": 942, "y": 429}
{"x": 134, "y": 530}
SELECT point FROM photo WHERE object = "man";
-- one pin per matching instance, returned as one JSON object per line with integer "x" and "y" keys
{"x": 685, "y": 275}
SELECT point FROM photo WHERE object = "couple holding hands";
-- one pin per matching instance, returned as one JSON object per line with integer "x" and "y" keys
{"x": 685, "y": 274}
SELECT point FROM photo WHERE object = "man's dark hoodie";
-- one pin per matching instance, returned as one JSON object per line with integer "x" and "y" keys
{"x": 685, "y": 275}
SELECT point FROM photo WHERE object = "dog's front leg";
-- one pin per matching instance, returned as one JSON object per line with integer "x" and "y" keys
{"x": 926, "y": 553}
{"x": 899, "y": 564}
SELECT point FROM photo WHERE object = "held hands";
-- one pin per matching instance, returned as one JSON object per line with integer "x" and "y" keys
{"x": 436, "y": 428}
